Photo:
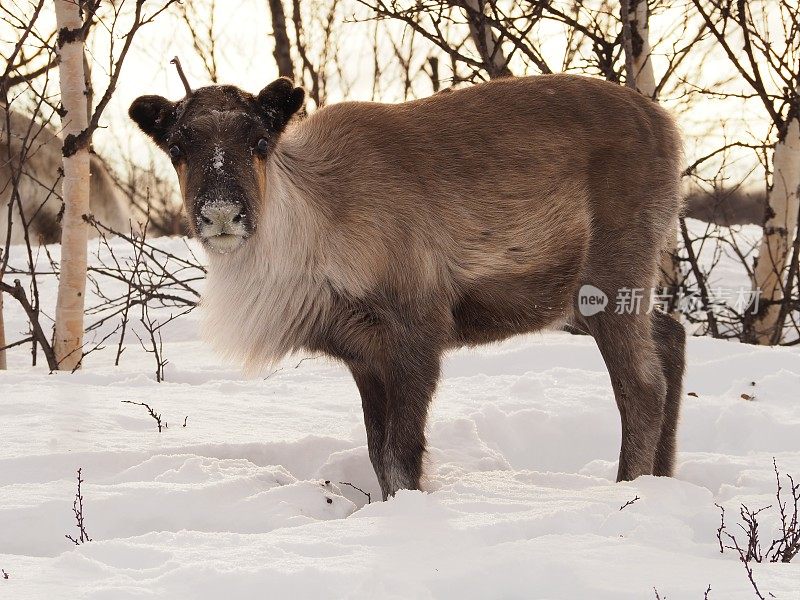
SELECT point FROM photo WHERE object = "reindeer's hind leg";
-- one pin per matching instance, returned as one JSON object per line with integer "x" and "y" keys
{"x": 626, "y": 343}
{"x": 670, "y": 339}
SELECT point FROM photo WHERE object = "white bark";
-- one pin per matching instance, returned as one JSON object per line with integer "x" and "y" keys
{"x": 642, "y": 65}
{"x": 486, "y": 42}
{"x": 68, "y": 338}
{"x": 779, "y": 230}
{"x": 645, "y": 81}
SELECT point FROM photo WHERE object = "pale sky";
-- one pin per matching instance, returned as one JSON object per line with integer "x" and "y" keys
{"x": 244, "y": 41}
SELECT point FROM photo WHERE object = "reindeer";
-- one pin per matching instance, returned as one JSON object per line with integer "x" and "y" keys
{"x": 726, "y": 206}
{"x": 39, "y": 149}
{"x": 384, "y": 235}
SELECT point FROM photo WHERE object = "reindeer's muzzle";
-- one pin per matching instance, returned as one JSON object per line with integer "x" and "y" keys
{"x": 221, "y": 225}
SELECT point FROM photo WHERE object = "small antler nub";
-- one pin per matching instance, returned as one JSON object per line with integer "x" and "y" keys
{"x": 177, "y": 62}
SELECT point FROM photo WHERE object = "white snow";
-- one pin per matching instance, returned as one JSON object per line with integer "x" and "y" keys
{"x": 521, "y": 501}
{"x": 217, "y": 158}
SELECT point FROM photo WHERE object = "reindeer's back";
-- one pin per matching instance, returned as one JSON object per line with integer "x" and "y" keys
{"x": 499, "y": 180}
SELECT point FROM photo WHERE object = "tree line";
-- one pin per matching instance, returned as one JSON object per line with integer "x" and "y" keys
{"x": 741, "y": 56}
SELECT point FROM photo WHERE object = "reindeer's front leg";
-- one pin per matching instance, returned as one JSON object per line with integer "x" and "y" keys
{"x": 410, "y": 382}
{"x": 373, "y": 402}
{"x": 395, "y": 397}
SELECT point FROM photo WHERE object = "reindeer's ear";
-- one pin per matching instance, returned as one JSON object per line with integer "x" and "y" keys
{"x": 154, "y": 115}
{"x": 279, "y": 101}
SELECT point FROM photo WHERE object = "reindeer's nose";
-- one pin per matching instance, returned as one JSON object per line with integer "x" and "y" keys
{"x": 221, "y": 216}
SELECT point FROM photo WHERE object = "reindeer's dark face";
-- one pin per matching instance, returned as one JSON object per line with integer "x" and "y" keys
{"x": 219, "y": 138}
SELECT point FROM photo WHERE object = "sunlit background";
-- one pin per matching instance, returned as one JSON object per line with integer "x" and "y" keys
{"x": 360, "y": 57}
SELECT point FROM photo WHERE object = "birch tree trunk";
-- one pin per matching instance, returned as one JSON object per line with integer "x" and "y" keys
{"x": 485, "y": 40}
{"x": 645, "y": 82}
{"x": 780, "y": 227}
{"x": 68, "y": 337}
{"x": 640, "y": 41}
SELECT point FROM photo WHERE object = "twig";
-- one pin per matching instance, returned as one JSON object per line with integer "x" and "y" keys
{"x": 302, "y": 360}
{"x": 629, "y": 502}
{"x": 26, "y": 340}
{"x": 746, "y": 563}
{"x": 701, "y": 280}
{"x": 721, "y": 527}
{"x": 273, "y": 372}
{"x": 156, "y": 343}
{"x": 137, "y": 260}
{"x": 18, "y": 292}
{"x": 94, "y": 347}
{"x": 367, "y": 494}
{"x": 154, "y": 414}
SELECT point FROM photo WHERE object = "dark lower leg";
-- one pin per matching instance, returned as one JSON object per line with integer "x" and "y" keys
{"x": 410, "y": 386}
{"x": 670, "y": 340}
{"x": 639, "y": 387}
{"x": 373, "y": 403}
{"x": 641, "y": 406}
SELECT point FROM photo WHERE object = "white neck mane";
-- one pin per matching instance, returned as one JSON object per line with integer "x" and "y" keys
{"x": 262, "y": 300}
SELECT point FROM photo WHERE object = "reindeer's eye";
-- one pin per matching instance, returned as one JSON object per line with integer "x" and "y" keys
{"x": 174, "y": 152}
{"x": 262, "y": 146}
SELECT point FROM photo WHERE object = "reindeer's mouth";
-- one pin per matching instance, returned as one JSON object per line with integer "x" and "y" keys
{"x": 222, "y": 226}
{"x": 224, "y": 243}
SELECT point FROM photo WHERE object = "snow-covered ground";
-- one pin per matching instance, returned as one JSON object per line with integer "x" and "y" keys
{"x": 245, "y": 500}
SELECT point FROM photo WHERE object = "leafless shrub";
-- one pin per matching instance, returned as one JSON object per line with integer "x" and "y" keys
{"x": 153, "y": 278}
{"x": 26, "y": 92}
{"x": 151, "y": 275}
{"x": 77, "y": 509}
{"x": 760, "y": 42}
{"x": 19, "y": 142}
{"x": 199, "y": 19}
{"x": 152, "y": 194}
{"x": 154, "y": 344}
{"x": 786, "y": 543}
